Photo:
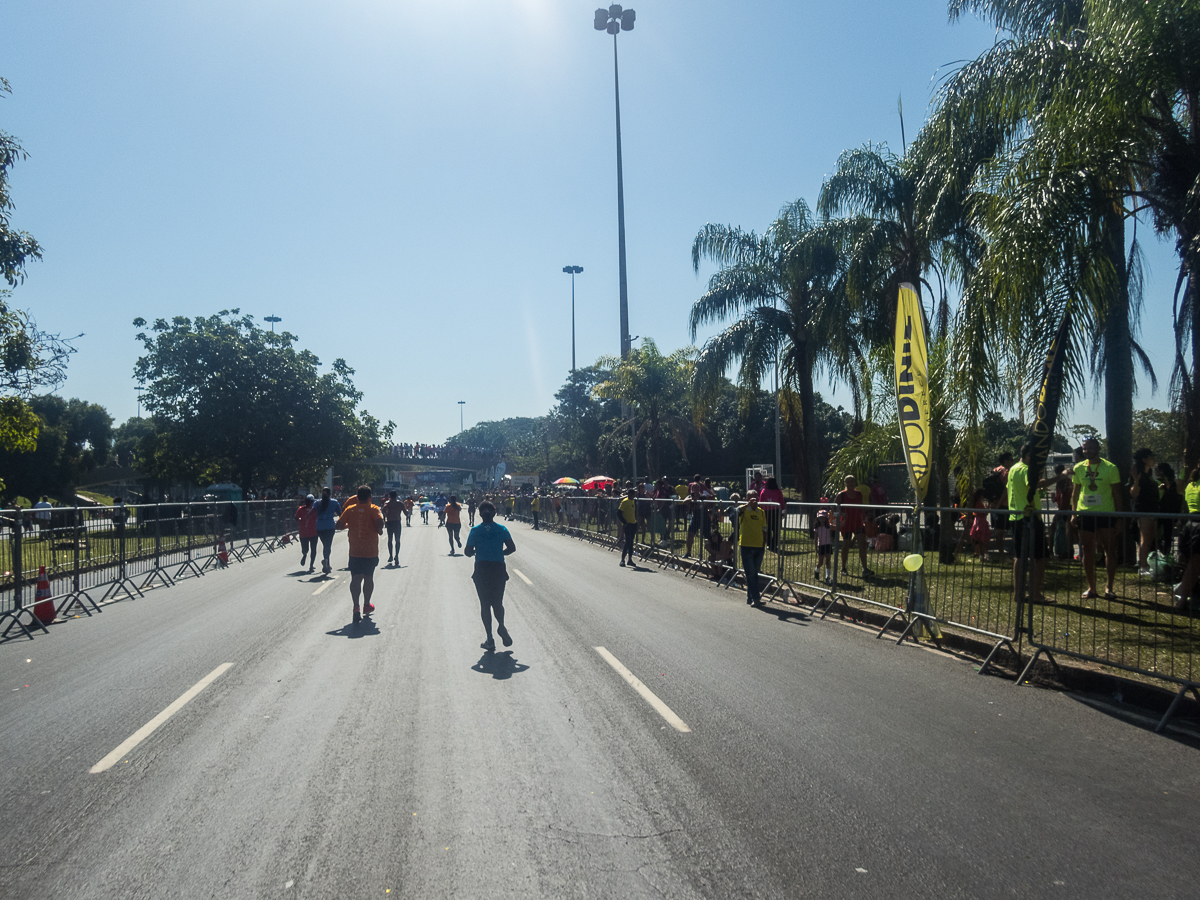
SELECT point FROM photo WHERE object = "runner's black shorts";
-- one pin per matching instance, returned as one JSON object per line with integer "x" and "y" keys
{"x": 1090, "y": 523}
{"x": 363, "y": 565}
{"x": 1020, "y": 531}
{"x": 393, "y": 527}
{"x": 489, "y": 578}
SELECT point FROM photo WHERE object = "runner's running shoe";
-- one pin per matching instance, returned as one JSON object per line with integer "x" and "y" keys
{"x": 504, "y": 636}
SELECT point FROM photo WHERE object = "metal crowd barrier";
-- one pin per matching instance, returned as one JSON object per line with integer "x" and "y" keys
{"x": 94, "y": 555}
{"x": 1139, "y": 628}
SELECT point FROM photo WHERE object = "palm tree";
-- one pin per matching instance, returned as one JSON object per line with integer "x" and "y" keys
{"x": 785, "y": 286}
{"x": 888, "y": 238}
{"x": 1053, "y": 216}
{"x": 1134, "y": 91}
{"x": 658, "y": 391}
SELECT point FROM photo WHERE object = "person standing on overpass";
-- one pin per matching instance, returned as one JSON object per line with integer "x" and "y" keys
{"x": 489, "y": 542}
{"x": 364, "y": 522}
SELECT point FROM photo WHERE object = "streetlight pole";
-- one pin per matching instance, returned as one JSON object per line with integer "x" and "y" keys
{"x": 272, "y": 319}
{"x": 460, "y": 415}
{"x": 614, "y": 20}
{"x": 573, "y": 271}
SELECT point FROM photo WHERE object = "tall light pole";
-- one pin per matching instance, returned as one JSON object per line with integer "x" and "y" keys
{"x": 614, "y": 20}
{"x": 573, "y": 271}
{"x": 460, "y": 416}
{"x": 272, "y": 319}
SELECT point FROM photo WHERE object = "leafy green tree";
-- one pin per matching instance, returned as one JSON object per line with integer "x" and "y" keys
{"x": 1160, "y": 430}
{"x": 233, "y": 401}
{"x": 1061, "y": 183}
{"x": 658, "y": 391}
{"x": 16, "y": 247}
{"x": 785, "y": 286}
{"x": 29, "y": 358}
{"x": 74, "y": 437}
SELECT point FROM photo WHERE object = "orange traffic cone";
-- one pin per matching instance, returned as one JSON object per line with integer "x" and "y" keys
{"x": 222, "y": 553}
{"x": 43, "y": 606}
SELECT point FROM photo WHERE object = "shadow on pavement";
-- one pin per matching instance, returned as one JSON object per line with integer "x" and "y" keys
{"x": 352, "y": 630}
{"x": 791, "y": 616}
{"x": 499, "y": 665}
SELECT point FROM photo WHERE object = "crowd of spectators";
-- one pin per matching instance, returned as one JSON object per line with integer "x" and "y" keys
{"x": 441, "y": 451}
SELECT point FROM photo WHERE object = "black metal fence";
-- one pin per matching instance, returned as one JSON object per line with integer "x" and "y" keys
{"x": 1135, "y": 622}
{"x": 93, "y": 554}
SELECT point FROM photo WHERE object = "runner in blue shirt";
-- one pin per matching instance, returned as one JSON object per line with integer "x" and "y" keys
{"x": 489, "y": 542}
{"x": 328, "y": 510}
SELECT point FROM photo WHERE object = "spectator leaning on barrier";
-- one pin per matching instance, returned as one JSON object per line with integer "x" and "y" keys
{"x": 1094, "y": 479}
{"x": 998, "y": 499}
{"x": 1171, "y": 503}
{"x": 851, "y": 525}
{"x": 772, "y": 499}
{"x": 752, "y": 530}
{"x": 1143, "y": 490}
{"x": 1023, "y": 514}
{"x": 1189, "y": 544}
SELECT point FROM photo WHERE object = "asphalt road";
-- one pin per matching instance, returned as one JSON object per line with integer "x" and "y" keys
{"x": 397, "y": 759}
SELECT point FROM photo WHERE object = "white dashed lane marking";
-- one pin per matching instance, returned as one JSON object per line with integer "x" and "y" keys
{"x": 521, "y": 575}
{"x": 149, "y": 728}
{"x": 648, "y": 695}
{"x": 326, "y": 585}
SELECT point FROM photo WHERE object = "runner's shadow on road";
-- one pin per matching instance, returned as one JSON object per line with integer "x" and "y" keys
{"x": 499, "y": 665}
{"x": 354, "y": 630}
{"x": 297, "y": 573}
{"x": 645, "y": 570}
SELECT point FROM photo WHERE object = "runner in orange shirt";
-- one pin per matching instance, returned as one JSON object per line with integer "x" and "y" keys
{"x": 364, "y": 523}
{"x": 453, "y": 513}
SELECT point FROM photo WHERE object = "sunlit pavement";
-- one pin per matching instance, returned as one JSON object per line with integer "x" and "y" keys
{"x": 645, "y": 736}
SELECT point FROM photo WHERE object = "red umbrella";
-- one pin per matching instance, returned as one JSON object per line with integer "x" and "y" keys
{"x": 597, "y": 482}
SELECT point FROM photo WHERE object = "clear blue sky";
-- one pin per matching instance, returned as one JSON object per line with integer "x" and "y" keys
{"x": 403, "y": 181}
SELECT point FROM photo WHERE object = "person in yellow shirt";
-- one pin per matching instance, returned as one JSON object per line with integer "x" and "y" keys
{"x": 752, "y": 527}
{"x": 627, "y": 513}
{"x": 535, "y": 506}
{"x": 363, "y": 521}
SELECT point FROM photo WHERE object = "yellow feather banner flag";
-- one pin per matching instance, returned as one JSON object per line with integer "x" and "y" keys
{"x": 912, "y": 388}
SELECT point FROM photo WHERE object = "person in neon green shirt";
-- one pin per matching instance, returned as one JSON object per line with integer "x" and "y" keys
{"x": 1027, "y": 525}
{"x": 1191, "y": 493}
{"x": 1094, "y": 479}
